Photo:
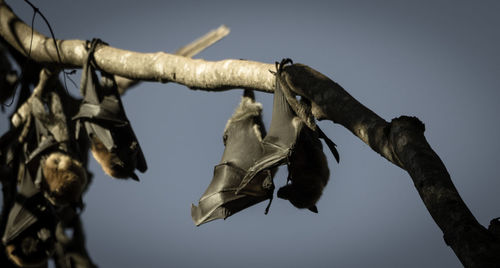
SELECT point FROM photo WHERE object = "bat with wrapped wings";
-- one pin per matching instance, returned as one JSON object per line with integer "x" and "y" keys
{"x": 113, "y": 141}
{"x": 293, "y": 139}
{"x": 242, "y": 139}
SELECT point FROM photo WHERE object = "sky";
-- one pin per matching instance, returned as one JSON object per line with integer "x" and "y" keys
{"x": 437, "y": 60}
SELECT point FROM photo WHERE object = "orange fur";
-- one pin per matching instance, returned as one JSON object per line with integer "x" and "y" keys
{"x": 30, "y": 253}
{"x": 65, "y": 178}
{"x": 111, "y": 163}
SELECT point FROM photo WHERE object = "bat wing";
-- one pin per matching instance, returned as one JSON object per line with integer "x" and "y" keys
{"x": 220, "y": 201}
{"x": 95, "y": 112}
{"x": 242, "y": 138}
{"x": 331, "y": 145}
{"x": 19, "y": 220}
{"x": 142, "y": 165}
{"x": 104, "y": 118}
{"x": 281, "y": 137}
{"x": 45, "y": 140}
{"x": 29, "y": 207}
{"x": 303, "y": 110}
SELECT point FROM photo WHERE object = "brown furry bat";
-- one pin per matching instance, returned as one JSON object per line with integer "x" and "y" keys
{"x": 65, "y": 178}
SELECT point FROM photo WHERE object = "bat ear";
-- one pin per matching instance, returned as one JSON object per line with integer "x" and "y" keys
{"x": 314, "y": 209}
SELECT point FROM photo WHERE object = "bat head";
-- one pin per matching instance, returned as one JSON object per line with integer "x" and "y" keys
{"x": 300, "y": 197}
{"x": 65, "y": 178}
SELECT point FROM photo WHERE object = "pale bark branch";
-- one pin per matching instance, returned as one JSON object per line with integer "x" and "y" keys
{"x": 188, "y": 50}
{"x": 159, "y": 66}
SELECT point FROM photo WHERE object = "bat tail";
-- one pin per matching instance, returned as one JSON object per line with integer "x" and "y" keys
{"x": 331, "y": 145}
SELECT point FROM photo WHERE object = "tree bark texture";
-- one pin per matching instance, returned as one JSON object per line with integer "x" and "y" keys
{"x": 400, "y": 141}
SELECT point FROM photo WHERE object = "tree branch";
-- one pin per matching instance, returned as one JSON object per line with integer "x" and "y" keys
{"x": 188, "y": 50}
{"x": 159, "y": 66}
{"x": 401, "y": 141}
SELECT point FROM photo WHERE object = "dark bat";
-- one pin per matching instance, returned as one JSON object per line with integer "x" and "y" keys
{"x": 29, "y": 234}
{"x": 293, "y": 139}
{"x": 59, "y": 173}
{"x": 113, "y": 141}
{"x": 308, "y": 172}
{"x": 242, "y": 139}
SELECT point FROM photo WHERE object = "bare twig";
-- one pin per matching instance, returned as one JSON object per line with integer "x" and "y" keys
{"x": 203, "y": 42}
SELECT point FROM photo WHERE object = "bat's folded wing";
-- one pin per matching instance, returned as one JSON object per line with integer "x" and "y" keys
{"x": 220, "y": 199}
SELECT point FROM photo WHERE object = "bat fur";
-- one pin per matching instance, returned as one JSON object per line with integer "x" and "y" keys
{"x": 111, "y": 163}
{"x": 65, "y": 177}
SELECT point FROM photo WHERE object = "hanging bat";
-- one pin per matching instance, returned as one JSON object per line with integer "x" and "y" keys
{"x": 242, "y": 139}
{"x": 60, "y": 174}
{"x": 113, "y": 141}
{"x": 29, "y": 233}
{"x": 308, "y": 172}
{"x": 293, "y": 139}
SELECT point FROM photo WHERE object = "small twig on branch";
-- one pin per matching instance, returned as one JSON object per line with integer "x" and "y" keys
{"x": 198, "y": 45}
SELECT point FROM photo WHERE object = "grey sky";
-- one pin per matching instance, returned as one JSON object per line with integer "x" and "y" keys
{"x": 437, "y": 60}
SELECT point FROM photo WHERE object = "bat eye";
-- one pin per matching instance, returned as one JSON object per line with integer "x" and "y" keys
{"x": 224, "y": 138}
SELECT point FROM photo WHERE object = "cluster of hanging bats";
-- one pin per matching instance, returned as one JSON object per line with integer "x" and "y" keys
{"x": 46, "y": 158}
